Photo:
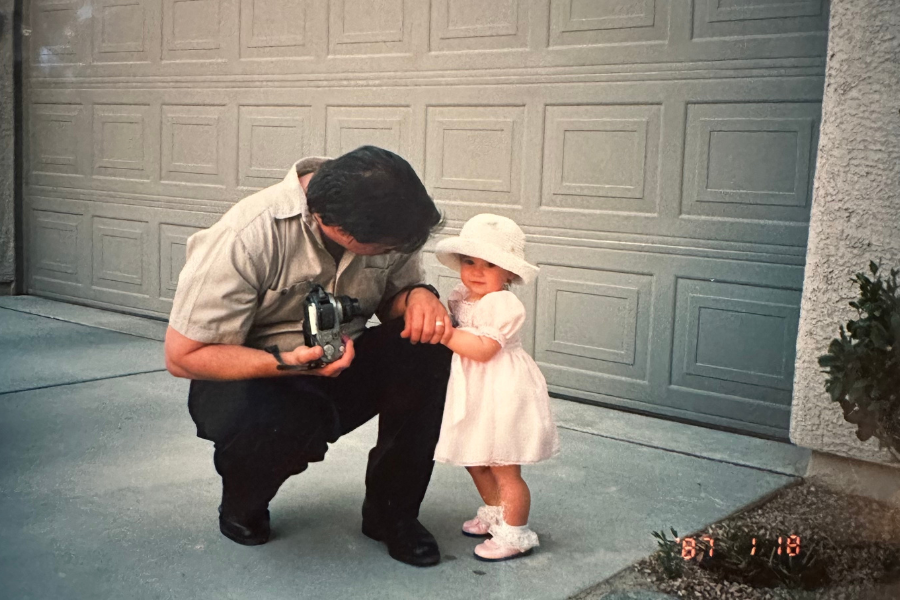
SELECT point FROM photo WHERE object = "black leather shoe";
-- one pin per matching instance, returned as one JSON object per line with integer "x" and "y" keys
{"x": 407, "y": 540}
{"x": 252, "y": 532}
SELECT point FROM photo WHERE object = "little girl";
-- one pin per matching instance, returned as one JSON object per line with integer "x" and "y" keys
{"x": 497, "y": 415}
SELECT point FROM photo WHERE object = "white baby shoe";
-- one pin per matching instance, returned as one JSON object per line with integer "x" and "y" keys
{"x": 508, "y": 542}
{"x": 481, "y": 524}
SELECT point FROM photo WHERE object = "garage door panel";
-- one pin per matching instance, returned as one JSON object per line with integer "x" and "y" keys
{"x": 365, "y": 28}
{"x": 472, "y": 25}
{"x": 349, "y": 127}
{"x": 58, "y": 36}
{"x": 172, "y": 253}
{"x": 594, "y": 320}
{"x": 124, "y": 141}
{"x": 57, "y": 236}
{"x": 582, "y": 23}
{"x": 278, "y": 28}
{"x": 750, "y": 161}
{"x": 195, "y": 144}
{"x": 270, "y": 137}
{"x": 735, "y": 339}
{"x": 58, "y": 143}
{"x": 123, "y": 31}
{"x": 474, "y": 153}
{"x": 121, "y": 256}
{"x": 733, "y": 18}
{"x": 198, "y": 30}
{"x": 602, "y": 157}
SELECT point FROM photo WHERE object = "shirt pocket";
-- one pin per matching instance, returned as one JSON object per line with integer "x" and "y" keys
{"x": 283, "y": 304}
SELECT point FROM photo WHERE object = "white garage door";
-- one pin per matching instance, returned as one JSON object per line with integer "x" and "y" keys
{"x": 658, "y": 153}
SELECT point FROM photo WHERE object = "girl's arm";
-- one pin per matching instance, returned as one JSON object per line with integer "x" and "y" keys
{"x": 476, "y": 347}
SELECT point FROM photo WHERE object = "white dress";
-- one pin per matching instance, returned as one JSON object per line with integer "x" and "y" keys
{"x": 497, "y": 412}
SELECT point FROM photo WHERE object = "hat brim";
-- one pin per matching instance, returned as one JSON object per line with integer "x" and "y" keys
{"x": 449, "y": 250}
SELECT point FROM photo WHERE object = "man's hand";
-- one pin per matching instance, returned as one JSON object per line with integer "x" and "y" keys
{"x": 302, "y": 355}
{"x": 426, "y": 318}
{"x": 331, "y": 369}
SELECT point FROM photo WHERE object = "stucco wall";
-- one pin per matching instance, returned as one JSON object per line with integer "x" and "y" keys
{"x": 856, "y": 204}
{"x": 7, "y": 223}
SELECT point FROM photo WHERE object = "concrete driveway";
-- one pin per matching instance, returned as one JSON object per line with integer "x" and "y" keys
{"x": 105, "y": 492}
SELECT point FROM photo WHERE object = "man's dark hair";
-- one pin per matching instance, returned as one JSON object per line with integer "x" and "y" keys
{"x": 375, "y": 196}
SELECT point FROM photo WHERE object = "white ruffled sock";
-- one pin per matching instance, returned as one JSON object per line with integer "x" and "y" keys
{"x": 515, "y": 536}
{"x": 491, "y": 515}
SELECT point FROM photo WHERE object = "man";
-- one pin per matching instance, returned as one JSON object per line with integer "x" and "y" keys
{"x": 354, "y": 225}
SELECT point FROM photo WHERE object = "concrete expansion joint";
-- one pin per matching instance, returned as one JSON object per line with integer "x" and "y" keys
{"x": 684, "y": 453}
{"x": 89, "y": 380}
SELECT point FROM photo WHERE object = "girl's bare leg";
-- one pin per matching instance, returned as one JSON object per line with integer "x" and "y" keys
{"x": 486, "y": 484}
{"x": 514, "y": 494}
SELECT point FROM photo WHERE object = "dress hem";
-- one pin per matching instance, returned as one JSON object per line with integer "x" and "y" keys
{"x": 495, "y": 463}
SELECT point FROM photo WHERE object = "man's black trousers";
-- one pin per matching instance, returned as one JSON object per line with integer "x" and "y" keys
{"x": 266, "y": 430}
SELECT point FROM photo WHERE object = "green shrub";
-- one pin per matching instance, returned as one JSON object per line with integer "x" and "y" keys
{"x": 863, "y": 365}
{"x": 668, "y": 557}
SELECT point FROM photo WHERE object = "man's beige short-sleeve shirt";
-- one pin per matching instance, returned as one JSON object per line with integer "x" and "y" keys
{"x": 245, "y": 277}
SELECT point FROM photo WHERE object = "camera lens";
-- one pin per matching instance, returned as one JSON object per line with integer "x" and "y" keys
{"x": 348, "y": 307}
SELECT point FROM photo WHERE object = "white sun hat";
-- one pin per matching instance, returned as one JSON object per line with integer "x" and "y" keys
{"x": 493, "y": 238}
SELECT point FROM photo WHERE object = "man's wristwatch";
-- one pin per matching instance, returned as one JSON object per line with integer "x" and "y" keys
{"x": 427, "y": 286}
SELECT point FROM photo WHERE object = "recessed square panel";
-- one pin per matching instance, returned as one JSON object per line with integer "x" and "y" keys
{"x": 750, "y": 161}
{"x": 54, "y": 29}
{"x": 54, "y": 248}
{"x": 734, "y": 339}
{"x": 774, "y": 153}
{"x": 172, "y": 252}
{"x": 592, "y": 22}
{"x": 459, "y": 25}
{"x": 192, "y": 144}
{"x": 349, "y": 127}
{"x": 274, "y": 28}
{"x": 474, "y": 153}
{"x": 572, "y": 333}
{"x": 601, "y": 157}
{"x": 590, "y": 15}
{"x": 119, "y": 254}
{"x": 272, "y": 138}
{"x": 121, "y": 30}
{"x": 55, "y": 145}
{"x": 593, "y": 320}
{"x": 731, "y": 18}
{"x": 364, "y": 27}
{"x": 192, "y": 29}
{"x": 121, "y": 145}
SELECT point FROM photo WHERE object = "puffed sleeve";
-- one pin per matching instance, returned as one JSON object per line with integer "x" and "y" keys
{"x": 218, "y": 289}
{"x": 499, "y": 316}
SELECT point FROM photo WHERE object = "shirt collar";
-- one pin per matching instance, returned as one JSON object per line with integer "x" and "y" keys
{"x": 293, "y": 200}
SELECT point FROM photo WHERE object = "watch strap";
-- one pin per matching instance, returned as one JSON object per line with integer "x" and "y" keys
{"x": 427, "y": 286}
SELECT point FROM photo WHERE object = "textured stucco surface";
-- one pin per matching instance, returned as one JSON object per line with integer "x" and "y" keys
{"x": 7, "y": 224}
{"x": 856, "y": 204}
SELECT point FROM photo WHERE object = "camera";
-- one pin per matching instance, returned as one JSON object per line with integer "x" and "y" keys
{"x": 324, "y": 314}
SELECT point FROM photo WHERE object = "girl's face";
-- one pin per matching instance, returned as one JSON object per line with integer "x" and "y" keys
{"x": 482, "y": 277}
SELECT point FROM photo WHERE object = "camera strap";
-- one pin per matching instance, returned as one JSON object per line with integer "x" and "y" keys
{"x": 283, "y": 366}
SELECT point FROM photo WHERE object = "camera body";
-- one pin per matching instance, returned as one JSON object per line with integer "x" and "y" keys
{"x": 324, "y": 314}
